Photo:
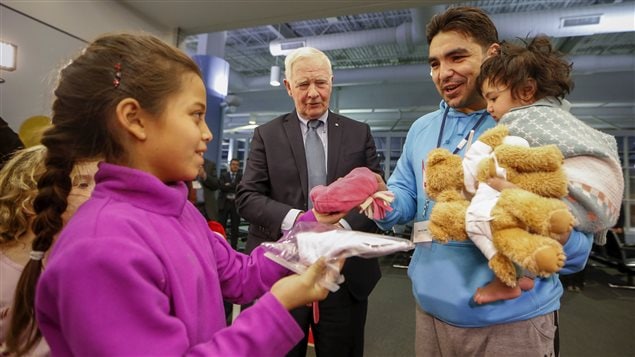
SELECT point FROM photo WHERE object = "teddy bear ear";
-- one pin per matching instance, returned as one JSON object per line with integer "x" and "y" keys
{"x": 494, "y": 137}
{"x": 437, "y": 155}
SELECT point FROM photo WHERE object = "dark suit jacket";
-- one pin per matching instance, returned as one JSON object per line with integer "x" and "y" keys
{"x": 227, "y": 186}
{"x": 275, "y": 181}
{"x": 210, "y": 185}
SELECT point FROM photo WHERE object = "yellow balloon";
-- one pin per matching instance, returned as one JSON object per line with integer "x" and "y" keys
{"x": 31, "y": 129}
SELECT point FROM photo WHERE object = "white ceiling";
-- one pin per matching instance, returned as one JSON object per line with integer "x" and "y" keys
{"x": 382, "y": 79}
{"x": 199, "y": 16}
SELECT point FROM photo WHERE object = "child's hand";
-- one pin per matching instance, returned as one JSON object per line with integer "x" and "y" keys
{"x": 500, "y": 184}
{"x": 298, "y": 290}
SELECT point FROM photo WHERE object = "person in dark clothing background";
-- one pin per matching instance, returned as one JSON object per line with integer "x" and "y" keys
{"x": 226, "y": 205}
{"x": 9, "y": 142}
{"x": 209, "y": 182}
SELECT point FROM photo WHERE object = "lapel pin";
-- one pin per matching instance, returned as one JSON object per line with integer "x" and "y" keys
{"x": 337, "y": 124}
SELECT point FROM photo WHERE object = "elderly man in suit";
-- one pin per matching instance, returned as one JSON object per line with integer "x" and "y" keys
{"x": 275, "y": 190}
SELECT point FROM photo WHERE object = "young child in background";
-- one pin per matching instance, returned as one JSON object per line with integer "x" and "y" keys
{"x": 18, "y": 187}
{"x": 137, "y": 271}
{"x": 525, "y": 86}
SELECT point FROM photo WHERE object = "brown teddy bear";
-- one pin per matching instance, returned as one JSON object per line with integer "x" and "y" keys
{"x": 522, "y": 222}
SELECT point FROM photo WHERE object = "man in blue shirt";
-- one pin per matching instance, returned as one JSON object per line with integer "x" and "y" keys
{"x": 445, "y": 276}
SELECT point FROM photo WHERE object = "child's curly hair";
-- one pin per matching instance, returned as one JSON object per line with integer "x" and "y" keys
{"x": 18, "y": 188}
{"x": 535, "y": 58}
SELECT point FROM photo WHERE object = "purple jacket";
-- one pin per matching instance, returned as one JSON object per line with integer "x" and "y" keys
{"x": 137, "y": 271}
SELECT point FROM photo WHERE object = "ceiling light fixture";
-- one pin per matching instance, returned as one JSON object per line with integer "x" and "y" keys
{"x": 274, "y": 79}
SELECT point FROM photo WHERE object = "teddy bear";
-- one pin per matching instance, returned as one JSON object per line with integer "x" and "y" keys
{"x": 520, "y": 224}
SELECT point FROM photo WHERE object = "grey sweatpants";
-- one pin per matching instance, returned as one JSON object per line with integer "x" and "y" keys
{"x": 534, "y": 337}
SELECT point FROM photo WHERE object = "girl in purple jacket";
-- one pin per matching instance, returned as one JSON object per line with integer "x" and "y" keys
{"x": 137, "y": 271}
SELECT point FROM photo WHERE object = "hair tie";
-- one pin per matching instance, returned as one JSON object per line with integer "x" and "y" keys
{"x": 36, "y": 255}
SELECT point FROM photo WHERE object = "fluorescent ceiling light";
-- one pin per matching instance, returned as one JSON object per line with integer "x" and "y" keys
{"x": 274, "y": 79}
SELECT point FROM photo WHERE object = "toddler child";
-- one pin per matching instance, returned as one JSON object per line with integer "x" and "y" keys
{"x": 525, "y": 86}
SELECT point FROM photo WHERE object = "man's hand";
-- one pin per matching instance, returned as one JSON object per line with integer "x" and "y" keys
{"x": 328, "y": 218}
{"x": 381, "y": 185}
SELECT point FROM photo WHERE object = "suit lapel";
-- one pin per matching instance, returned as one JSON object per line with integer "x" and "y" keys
{"x": 292, "y": 129}
{"x": 335, "y": 141}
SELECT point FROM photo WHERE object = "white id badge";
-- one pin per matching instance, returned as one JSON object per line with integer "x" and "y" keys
{"x": 420, "y": 233}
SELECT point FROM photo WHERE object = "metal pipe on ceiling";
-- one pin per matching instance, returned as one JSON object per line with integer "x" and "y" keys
{"x": 582, "y": 21}
{"x": 417, "y": 72}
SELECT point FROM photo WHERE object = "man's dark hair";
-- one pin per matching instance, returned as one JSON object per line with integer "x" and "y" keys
{"x": 469, "y": 21}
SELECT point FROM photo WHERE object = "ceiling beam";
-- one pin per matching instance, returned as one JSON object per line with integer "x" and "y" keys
{"x": 282, "y": 31}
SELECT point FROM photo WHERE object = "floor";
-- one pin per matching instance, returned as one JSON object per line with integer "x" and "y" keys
{"x": 597, "y": 321}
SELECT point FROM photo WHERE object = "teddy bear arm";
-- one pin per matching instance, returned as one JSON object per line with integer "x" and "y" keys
{"x": 529, "y": 159}
{"x": 447, "y": 221}
{"x": 486, "y": 169}
{"x": 450, "y": 196}
{"x": 504, "y": 269}
{"x": 540, "y": 215}
{"x": 439, "y": 233}
{"x": 538, "y": 254}
{"x": 547, "y": 184}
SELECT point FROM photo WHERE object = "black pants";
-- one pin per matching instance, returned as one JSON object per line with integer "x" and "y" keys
{"x": 340, "y": 330}
{"x": 229, "y": 211}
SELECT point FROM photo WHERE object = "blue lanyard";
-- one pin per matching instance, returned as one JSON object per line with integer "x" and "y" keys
{"x": 458, "y": 147}
{"x": 464, "y": 140}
